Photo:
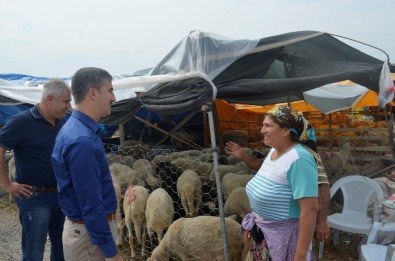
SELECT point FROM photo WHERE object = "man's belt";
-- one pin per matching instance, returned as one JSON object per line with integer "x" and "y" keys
{"x": 110, "y": 217}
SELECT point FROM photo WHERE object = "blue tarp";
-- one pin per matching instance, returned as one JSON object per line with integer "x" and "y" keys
{"x": 22, "y": 79}
{"x": 14, "y": 79}
{"x": 7, "y": 111}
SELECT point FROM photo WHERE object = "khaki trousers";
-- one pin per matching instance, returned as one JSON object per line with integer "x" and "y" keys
{"x": 77, "y": 245}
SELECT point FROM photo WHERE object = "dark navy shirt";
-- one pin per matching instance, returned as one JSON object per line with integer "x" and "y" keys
{"x": 86, "y": 191}
{"x": 32, "y": 139}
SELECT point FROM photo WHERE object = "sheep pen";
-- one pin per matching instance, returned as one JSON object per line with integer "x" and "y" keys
{"x": 10, "y": 240}
{"x": 165, "y": 168}
{"x": 170, "y": 164}
{"x": 174, "y": 163}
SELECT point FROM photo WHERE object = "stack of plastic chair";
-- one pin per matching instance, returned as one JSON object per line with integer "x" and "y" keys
{"x": 372, "y": 251}
{"x": 359, "y": 193}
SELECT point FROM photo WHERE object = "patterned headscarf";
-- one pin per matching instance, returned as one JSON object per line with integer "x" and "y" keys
{"x": 294, "y": 121}
{"x": 297, "y": 124}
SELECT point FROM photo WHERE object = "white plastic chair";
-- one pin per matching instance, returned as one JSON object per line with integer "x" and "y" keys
{"x": 376, "y": 252}
{"x": 358, "y": 193}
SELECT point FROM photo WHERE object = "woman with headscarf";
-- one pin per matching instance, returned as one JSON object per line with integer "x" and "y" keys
{"x": 283, "y": 194}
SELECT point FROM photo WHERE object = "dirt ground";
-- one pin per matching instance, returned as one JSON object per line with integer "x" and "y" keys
{"x": 10, "y": 238}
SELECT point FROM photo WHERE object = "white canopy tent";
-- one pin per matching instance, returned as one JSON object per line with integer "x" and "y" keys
{"x": 123, "y": 88}
{"x": 335, "y": 97}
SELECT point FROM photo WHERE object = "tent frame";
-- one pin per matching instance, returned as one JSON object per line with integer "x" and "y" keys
{"x": 171, "y": 133}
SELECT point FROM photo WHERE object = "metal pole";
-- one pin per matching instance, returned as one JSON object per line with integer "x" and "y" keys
{"x": 121, "y": 131}
{"x": 390, "y": 124}
{"x": 330, "y": 132}
{"x": 390, "y": 127}
{"x": 388, "y": 57}
{"x": 217, "y": 181}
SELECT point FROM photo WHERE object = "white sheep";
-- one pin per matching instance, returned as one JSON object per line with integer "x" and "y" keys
{"x": 160, "y": 158}
{"x": 11, "y": 171}
{"x": 134, "y": 204}
{"x": 120, "y": 225}
{"x": 126, "y": 176}
{"x": 148, "y": 170}
{"x": 202, "y": 168}
{"x": 224, "y": 169}
{"x": 159, "y": 212}
{"x": 123, "y": 177}
{"x": 189, "y": 189}
{"x": 237, "y": 203}
{"x": 205, "y": 157}
{"x": 200, "y": 238}
{"x": 176, "y": 155}
{"x": 232, "y": 180}
{"x": 206, "y": 150}
{"x": 125, "y": 160}
{"x": 168, "y": 174}
{"x": 133, "y": 148}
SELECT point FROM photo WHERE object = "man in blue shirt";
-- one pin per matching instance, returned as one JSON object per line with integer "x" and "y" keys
{"x": 86, "y": 192}
{"x": 31, "y": 135}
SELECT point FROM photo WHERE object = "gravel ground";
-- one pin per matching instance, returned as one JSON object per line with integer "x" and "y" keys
{"x": 10, "y": 239}
{"x": 10, "y": 231}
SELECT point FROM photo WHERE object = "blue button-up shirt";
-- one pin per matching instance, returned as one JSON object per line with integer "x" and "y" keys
{"x": 86, "y": 191}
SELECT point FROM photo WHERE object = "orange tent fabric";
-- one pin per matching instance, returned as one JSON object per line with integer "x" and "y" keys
{"x": 243, "y": 116}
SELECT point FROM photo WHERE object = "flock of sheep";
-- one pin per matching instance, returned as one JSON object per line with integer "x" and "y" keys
{"x": 168, "y": 204}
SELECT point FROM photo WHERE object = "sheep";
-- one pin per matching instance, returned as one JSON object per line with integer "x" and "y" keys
{"x": 335, "y": 161}
{"x": 125, "y": 160}
{"x": 11, "y": 171}
{"x": 224, "y": 169}
{"x": 158, "y": 151}
{"x": 134, "y": 205}
{"x": 147, "y": 169}
{"x": 120, "y": 225}
{"x": 133, "y": 148}
{"x": 118, "y": 192}
{"x": 202, "y": 168}
{"x": 189, "y": 189}
{"x": 209, "y": 195}
{"x": 158, "y": 213}
{"x": 208, "y": 209}
{"x": 119, "y": 197}
{"x": 237, "y": 203}
{"x": 231, "y": 181}
{"x": 168, "y": 174}
{"x": 176, "y": 155}
{"x": 206, "y": 157}
{"x": 200, "y": 238}
{"x": 126, "y": 176}
{"x": 161, "y": 158}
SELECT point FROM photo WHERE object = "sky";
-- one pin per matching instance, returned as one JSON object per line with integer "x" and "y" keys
{"x": 54, "y": 38}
